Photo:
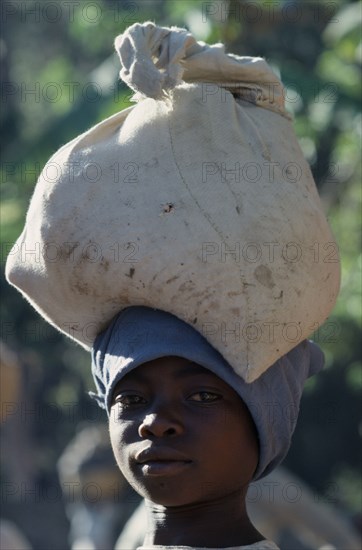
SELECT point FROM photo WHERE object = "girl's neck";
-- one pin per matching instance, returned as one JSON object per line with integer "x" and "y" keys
{"x": 214, "y": 524}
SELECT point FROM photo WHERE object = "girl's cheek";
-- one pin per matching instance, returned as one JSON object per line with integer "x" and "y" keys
{"x": 114, "y": 415}
{"x": 122, "y": 434}
{"x": 118, "y": 448}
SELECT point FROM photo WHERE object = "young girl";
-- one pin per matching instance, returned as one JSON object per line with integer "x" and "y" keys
{"x": 187, "y": 432}
{"x": 218, "y": 287}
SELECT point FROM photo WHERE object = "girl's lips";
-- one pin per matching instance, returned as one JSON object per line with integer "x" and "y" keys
{"x": 154, "y": 453}
{"x": 163, "y": 467}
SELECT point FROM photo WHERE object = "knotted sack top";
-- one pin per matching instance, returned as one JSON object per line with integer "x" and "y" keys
{"x": 196, "y": 201}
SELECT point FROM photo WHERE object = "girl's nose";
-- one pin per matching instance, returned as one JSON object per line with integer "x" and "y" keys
{"x": 160, "y": 424}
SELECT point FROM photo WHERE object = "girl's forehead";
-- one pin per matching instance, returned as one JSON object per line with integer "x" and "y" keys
{"x": 171, "y": 368}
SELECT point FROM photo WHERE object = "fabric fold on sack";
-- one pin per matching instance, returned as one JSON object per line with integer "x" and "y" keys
{"x": 156, "y": 59}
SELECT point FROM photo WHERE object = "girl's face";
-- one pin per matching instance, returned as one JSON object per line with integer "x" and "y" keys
{"x": 180, "y": 434}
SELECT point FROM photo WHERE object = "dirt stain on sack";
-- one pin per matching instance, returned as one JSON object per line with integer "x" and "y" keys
{"x": 105, "y": 264}
{"x": 172, "y": 279}
{"x": 67, "y": 253}
{"x": 131, "y": 272}
{"x": 280, "y": 297}
{"x": 231, "y": 294}
{"x": 84, "y": 288}
{"x": 167, "y": 208}
{"x": 264, "y": 276}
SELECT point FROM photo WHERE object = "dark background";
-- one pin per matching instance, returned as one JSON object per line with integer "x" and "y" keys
{"x": 58, "y": 78}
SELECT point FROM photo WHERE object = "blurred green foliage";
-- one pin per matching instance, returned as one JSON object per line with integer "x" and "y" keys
{"x": 60, "y": 77}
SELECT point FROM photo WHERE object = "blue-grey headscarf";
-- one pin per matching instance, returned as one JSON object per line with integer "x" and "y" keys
{"x": 140, "y": 334}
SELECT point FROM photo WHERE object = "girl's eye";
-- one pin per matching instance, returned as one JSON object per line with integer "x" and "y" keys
{"x": 205, "y": 397}
{"x": 129, "y": 400}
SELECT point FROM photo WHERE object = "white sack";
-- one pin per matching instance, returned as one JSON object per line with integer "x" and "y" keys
{"x": 193, "y": 201}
